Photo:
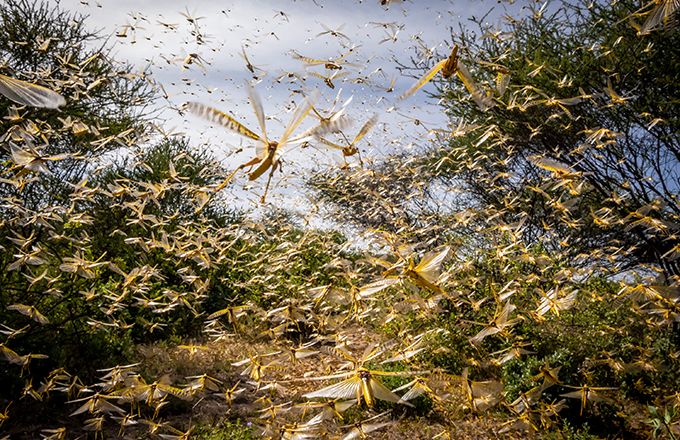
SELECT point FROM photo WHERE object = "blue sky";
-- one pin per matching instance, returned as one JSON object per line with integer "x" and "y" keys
{"x": 160, "y": 35}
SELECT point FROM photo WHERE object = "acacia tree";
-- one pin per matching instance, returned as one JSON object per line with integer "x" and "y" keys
{"x": 579, "y": 143}
{"x": 568, "y": 170}
{"x": 106, "y": 104}
{"x": 591, "y": 106}
{"x": 105, "y": 100}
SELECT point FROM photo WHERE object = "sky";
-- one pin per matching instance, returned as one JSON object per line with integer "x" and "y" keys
{"x": 164, "y": 35}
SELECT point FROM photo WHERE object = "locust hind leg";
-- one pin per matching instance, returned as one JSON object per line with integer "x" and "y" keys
{"x": 269, "y": 179}
{"x": 229, "y": 178}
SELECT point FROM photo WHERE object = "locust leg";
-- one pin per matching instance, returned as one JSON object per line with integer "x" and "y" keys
{"x": 269, "y": 179}
{"x": 226, "y": 181}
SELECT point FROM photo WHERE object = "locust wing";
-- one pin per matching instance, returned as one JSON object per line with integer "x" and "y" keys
{"x": 486, "y": 393}
{"x": 424, "y": 80}
{"x": 381, "y": 392}
{"x": 482, "y": 101}
{"x": 377, "y": 286}
{"x": 259, "y": 112}
{"x": 300, "y": 114}
{"x": 30, "y": 94}
{"x": 429, "y": 266}
{"x": 330, "y": 144}
{"x": 29, "y": 311}
{"x": 218, "y": 117}
{"x": 663, "y": 13}
{"x": 365, "y": 128}
{"x": 347, "y": 389}
{"x": 10, "y": 355}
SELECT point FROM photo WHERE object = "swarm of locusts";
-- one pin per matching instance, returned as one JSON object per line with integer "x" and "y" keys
{"x": 451, "y": 316}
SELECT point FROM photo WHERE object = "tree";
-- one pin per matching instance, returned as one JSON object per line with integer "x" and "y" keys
{"x": 105, "y": 100}
{"x": 559, "y": 194}
{"x": 580, "y": 144}
{"x": 46, "y": 157}
{"x": 584, "y": 144}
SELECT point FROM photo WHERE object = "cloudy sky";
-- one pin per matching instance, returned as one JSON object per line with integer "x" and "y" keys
{"x": 165, "y": 36}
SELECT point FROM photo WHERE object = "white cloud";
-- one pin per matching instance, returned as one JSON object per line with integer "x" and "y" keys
{"x": 269, "y": 37}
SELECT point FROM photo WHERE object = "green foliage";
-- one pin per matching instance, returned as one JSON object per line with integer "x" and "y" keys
{"x": 106, "y": 100}
{"x": 590, "y": 102}
{"x": 569, "y": 432}
{"x": 663, "y": 423}
{"x": 228, "y": 430}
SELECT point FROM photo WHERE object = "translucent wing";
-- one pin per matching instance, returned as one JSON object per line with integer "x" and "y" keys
{"x": 217, "y": 117}
{"x": 551, "y": 301}
{"x": 26, "y": 93}
{"x": 365, "y": 428}
{"x": 428, "y": 267}
{"x": 485, "y": 394}
{"x": 486, "y": 402}
{"x": 371, "y": 352}
{"x": 413, "y": 393}
{"x": 30, "y": 158}
{"x": 568, "y": 301}
{"x": 662, "y": 13}
{"x": 406, "y": 354}
{"x": 573, "y": 394}
{"x": 300, "y": 114}
{"x": 424, "y": 80}
{"x": 242, "y": 362}
{"x": 483, "y": 102}
{"x": 411, "y": 384}
{"x": 486, "y": 388}
{"x": 546, "y": 303}
{"x": 10, "y": 355}
{"x": 29, "y": 311}
{"x": 21, "y": 157}
{"x": 488, "y": 331}
{"x": 466, "y": 78}
{"x": 84, "y": 407}
{"x": 302, "y": 354}
{"x": 365, "y": 128}
{"x": 337, "y": 122}
{"x": 381, "y": 392}
{"x": 377, "y": 286}
{"x": 502, "y": 319}
{"x": 347, "y": 389}
{"x": 465, "y": 384}
{"x": 343, "y": 406}
{"x": 418, "y": 389}
{"x": 104, "y": 406}
{"x": 551, "y": 165}
{"x": 328, "y": 143}
{"x": 259, "y": 112}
